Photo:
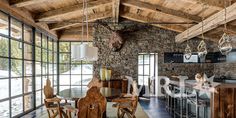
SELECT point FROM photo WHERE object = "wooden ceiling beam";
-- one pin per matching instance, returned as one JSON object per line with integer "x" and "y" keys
{"x": 210, "y": 23}
{"x": 23, "y": 3}
{"x": 74, "y": 37}
{"x": 143, "y": 19}
{"x": 115, "y": 10}
{"x": 158, "y": 8}
{"x": 67, "y": 11}
{"x": 77, "y": 21}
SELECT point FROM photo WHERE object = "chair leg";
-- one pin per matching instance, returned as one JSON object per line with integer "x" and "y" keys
{"x": 48, "y": 114}
{"x": 60, "y": 113}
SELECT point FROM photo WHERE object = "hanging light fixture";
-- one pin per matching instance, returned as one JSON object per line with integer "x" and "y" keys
{"x": 188, "y": 51}
{"x": 86, "y": 52}
{"x": 202, "y": 50}
{"x": 224, "y": 43}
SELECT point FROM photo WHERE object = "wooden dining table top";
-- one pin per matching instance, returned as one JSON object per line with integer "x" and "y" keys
{"x": 74, "y": 93}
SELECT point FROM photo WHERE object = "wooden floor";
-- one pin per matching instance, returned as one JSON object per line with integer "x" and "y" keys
{"x": 153, "y": 107}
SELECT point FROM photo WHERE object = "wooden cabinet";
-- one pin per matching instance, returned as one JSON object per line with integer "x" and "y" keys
{"x": 223, "y": 103}
{"x": 117, "y": 83}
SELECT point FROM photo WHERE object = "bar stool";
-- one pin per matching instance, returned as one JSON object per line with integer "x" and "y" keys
{"x": 199, "y": 103}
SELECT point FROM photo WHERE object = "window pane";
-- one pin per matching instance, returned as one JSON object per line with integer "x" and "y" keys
{"x": 64, "y": 69}
{"x": 16, "y": 29}
{"x": 4, "y": 24}
{"x": 4, "y": 70}
{"x": 4, "y": 47}
{"x": 44, "y": 41}
{"x": 38, "y": 82}
{"x": 28, "y": 33}
{"x": 4, "y": 88}
{"x": 140, "y": 69}
{"x": 16, "y": 67}
{"x": 38, "y": 54}
{"x": 38, "y": 39}
{"x": 28, "y": 102}
{"x": 64, "y": 80}
{"x": 45, "y": 68}
{"x": 64, "y": 47}
{"x": 17, "y": 106}
{"x": 28, "y": 51}
{"x": 45, "y": 55}
{"x": 4, "y": 109}
{"x": 87, "y": 68}
{"x": 86, "y": 79}
{"x": 146, "y": 59}
{"x": 38, "y": 68}
{"x": 50, "y": 69}
{"x": 28, "y": 68}
{"x": 55, "y": 58}
{"x": 140, "y": 59}
{"x": 76, "y": 69}
{"x": 50, "y": 44}
{"x": 64, "y": 58}
{"x": 16, "y": 86}
{"x": 146, "y": 69}
{"x": 55, "y": 47}
{"x": 75, "y": 79}
{"x": 28, "y": 84}
{"x": 38, "y": 98}
{"x": 50, "y": 57}
{"x": 55, "y": 69}
{"x": 16, "y": 49}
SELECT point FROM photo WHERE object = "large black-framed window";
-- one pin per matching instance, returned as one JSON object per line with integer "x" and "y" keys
{"x": 45, "y": 64}
{"x": 72, "y": 73}
{"x": 19, "y": 92}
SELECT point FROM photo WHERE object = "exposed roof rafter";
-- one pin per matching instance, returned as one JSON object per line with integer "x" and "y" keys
{"x": 210, "y": 23}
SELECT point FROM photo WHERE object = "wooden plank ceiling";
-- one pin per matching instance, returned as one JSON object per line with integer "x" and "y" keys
{"x": 65, "y": 16}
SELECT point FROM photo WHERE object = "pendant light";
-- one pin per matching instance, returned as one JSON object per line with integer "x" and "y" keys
{"x": 187, "y": 51}
{"x": 224, "y": 43}
{"x": 202, "y": 50}
{"x": 86, "y": 52}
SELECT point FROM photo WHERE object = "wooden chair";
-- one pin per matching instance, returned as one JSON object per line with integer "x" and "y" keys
{"x": 127, "y": 104}
{"x": 52, "y": 103}
{"x": 93, "y": 105}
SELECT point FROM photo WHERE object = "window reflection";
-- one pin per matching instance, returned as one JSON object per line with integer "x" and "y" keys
{"x": 16, "y": 29}
{"x": 4, "y": 24}
{"x": 28, "y": 34}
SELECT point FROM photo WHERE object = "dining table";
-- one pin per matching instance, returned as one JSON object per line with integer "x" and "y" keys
{"x": 76, "y": 93}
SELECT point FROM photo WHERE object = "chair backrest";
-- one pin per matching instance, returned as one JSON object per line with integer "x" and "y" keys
{"x": 48, "y": 93}
{"x": 95, "y": 82}
{"x": 48, "y": 90}
{"x": 93, "y": 105}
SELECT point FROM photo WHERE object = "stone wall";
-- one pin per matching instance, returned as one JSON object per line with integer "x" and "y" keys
{"x": 145, "y": 39}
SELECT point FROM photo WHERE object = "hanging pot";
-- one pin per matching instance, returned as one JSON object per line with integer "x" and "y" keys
{"x": 224, "y": 44}
{"x": 202, "y": 50}
{"x": 188, "y": 52}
